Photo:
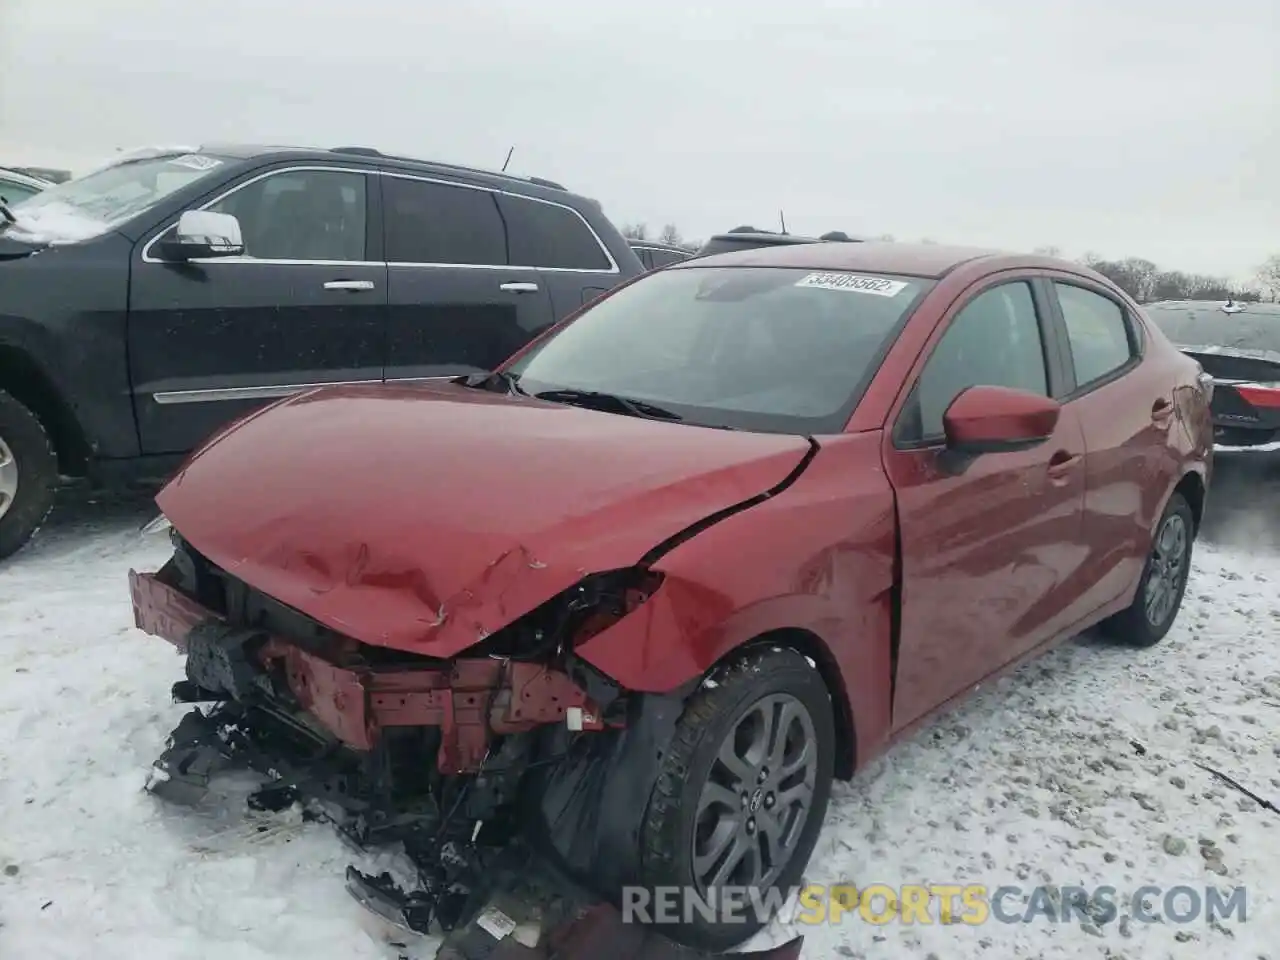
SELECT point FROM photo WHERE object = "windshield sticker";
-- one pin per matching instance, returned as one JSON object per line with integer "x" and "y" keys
{"x": 848, "y": 281}
{"x": 193, "y": 161}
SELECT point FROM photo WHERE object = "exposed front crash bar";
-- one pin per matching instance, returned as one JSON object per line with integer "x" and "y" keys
{"x": 468, "y": 699}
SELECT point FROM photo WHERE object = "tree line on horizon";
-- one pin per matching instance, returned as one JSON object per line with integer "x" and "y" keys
{"x": 1142, "y": 279}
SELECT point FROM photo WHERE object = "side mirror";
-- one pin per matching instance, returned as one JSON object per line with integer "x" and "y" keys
{"x": 985, "y": 419}
{"x": 201, "y": 234}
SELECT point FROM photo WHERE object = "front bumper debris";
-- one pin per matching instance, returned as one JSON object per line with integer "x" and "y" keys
{"x": 344, "y": 736}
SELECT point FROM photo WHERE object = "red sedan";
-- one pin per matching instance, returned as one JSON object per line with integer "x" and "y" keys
{"x": 641, "y": 594}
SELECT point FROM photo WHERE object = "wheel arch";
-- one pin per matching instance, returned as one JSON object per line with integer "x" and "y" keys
{"x": 22, "y": 377}
{"x": 1193, "y": 490}
{"x": 811, "y": 646}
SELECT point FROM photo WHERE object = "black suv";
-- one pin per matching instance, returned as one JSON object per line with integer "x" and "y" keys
{"x": 147, "y": 304}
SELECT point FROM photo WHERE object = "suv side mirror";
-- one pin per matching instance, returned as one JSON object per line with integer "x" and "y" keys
{"x": 984, "y": 419}
{"x": 201, "y": 234}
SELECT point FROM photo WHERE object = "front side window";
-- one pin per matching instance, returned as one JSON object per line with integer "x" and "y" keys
{"x": 1097, "y": 331}
{"x": 550, "y": 236}
{"x": 315, "y": 215}
{"x": 91, "y": 205}
{"x": 436, "y": 223}
{"x": 994, "y": 341}
{"x": 754, "y": 348}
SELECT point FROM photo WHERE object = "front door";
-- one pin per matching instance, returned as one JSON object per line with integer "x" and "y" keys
{"x": 990, "y": 557}
{"x": 213, "y": 339}
{"x": 456, "y": 303}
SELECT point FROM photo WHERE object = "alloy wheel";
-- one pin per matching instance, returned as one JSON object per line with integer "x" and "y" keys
{"x": 8, "y": 477}
{"x": 1168, "y": 569}
{"x": 757, "y": 797}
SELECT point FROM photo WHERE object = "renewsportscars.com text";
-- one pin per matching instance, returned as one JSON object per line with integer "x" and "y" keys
{"x": 971, "y": 904}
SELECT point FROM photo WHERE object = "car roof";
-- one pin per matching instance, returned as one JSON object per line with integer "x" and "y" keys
{"x": 1214, "y": 306}
{"x": 930, "y": 260}
{"x": 658, "y": 245}
{"x": 244, "y": 151}
{"x": 17, "y": 176}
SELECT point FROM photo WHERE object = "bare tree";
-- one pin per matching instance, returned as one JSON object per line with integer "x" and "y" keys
{"x": 1269, "y": 277}
{"x": 886, "y": 237}
{"x": 636, "y": 231}
{"x": 671, "y": 234}
{"x": 1048, "y": 251}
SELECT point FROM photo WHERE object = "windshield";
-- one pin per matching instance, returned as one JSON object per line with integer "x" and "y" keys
{"x": 91, "y": 205}
{"x": 753, "y": 348}
{"x": 1256, "y": 328}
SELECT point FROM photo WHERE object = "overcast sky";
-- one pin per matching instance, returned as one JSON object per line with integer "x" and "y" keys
{"x": 1144, "y": 127}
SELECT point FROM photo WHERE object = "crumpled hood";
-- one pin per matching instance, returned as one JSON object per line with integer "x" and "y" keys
{"x": 426, "y": 518}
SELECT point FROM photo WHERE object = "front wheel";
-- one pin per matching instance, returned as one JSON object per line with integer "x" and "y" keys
{"x": 28, "y": 475}
{"x": 1164, "y": 580}
{"x": 740, "y": 800}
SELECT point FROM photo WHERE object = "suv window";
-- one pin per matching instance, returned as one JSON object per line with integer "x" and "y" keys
{"x": 1097, "y": 331}
{"x": 548, "y": 235}
{"x": 664, "y": 258}
{"x": 437, "y": 223}
{"x": 301, "y": 215}
{"x": 994, "y": 340}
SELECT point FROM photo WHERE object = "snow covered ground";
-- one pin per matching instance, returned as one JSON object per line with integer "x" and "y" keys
{"x": 1079, "y": 769}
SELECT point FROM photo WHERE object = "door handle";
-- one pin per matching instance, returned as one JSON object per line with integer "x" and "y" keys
{"x": 349, "y": 285}
{"x": 1161, "y": 410}
{"x": 519, "y": 286}
{"x": 1062, "y": 463}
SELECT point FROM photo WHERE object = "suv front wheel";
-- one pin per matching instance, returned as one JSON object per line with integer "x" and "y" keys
{"x": 28, "y": 475}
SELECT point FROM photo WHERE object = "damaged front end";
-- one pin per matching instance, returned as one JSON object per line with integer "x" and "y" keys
{"x": 478, "y": 764}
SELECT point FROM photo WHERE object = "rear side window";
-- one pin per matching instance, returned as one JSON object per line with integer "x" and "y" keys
{"x": 664, "y": 258}
{"x": 549, "y": 236}
{"x": 994, "y": 341}
{"x": 436, "y": 223}
{"x": 1097, "y": 331}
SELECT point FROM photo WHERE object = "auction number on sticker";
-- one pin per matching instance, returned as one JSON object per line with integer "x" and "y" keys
{"x": 853, "y": 283}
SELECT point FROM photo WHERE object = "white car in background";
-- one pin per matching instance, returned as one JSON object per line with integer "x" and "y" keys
{"x": 16, "y": 187}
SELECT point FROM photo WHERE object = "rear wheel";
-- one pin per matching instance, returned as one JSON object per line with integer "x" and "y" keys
{"x": 741, "y": 797}
{"x": 28, "y": 475}
{"x": 1164, "y": 580}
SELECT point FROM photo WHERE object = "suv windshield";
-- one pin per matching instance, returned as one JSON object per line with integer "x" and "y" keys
{"x": 1256, "y": 328}
{"x": 91, "y": 205}
{"x": 765, "y": 349}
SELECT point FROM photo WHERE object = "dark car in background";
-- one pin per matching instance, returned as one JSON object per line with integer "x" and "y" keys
{"x": 654, "y": 254}
{"x": 752, "y": 238}
{"x": 1238, "y": 345}
{"x": 145, "y": 305}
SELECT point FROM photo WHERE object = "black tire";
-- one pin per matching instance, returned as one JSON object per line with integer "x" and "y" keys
{"x": 23, "y": 438}
{"x": 1135, "y": 626}
{"x": 762, "y": 678}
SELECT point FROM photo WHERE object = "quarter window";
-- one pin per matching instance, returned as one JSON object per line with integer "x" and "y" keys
{"x": 551, "y": 236}
{"x": 301, "y": 215}
{"x": 437, "y": 223}
{"x": 994, "y": 340}
{"x": 1097, "y": 332}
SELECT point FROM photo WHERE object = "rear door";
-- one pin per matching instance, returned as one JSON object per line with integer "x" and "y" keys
{"x": 990, "y": 557}
{"x": 571, "y": 260}
{"x": 210, "y": 340}
{"x": 456, "y": 302}
{"x": 1131, "y": 430}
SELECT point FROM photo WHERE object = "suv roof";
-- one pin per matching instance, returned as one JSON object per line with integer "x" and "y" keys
{"x": 751, "y": 238}
{"x": 241, "y": 151}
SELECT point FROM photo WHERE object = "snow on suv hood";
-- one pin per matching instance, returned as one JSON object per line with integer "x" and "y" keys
{"x": 426, "y": 518}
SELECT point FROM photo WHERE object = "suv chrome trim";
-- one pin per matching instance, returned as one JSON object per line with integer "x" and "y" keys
{"x": 267, "y": 392}
{"x": 370, "y": 172}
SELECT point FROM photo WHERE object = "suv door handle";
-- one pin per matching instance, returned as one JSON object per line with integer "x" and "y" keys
{"x": 519, "y": 286}
{"x": 349, "y": 285}
{"x": 1161, "y": 410}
